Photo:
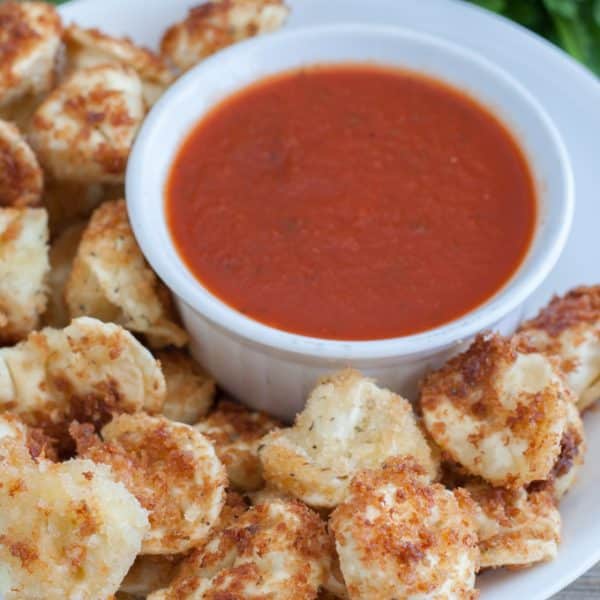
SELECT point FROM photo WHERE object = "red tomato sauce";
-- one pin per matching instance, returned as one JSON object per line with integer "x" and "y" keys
{"x": 351, "y": 202}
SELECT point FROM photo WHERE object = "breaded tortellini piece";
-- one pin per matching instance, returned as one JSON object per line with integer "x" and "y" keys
{"x": 348, "y": 424}
{"x": 62, "y": 253}
{"x": 83, "y": 131}
{"x": 30, "y": 40}
{"x": 190, "y": 390}
{"x": 217, "y": 24}
{"x": 515, "y": 527}
{"x": 67, "y": 530}
{"x": 24, "y": 268}
{"x": 569, "y": 328}
{"x": 236, "y": 434}
{"x": 274, "y": 550}
{"x": 170, "y": 468}
{"x": 112, "y": 281}
{"x": 87, "y": 371}
{"x": 498, "y": 411}
{"x": 398, "y": 536}
{"x": 151, "y": 572}
{"x": 90, "y": 47}
{"x": 21, "y": 177}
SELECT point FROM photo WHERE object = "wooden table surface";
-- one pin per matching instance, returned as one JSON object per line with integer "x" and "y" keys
{"x": 586, "y": 587}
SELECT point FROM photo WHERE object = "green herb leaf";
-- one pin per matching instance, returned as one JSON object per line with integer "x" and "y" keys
{"x": 596, "y": 12}
{"x": 493, "y": 5}
{"x": 572, "y": 24}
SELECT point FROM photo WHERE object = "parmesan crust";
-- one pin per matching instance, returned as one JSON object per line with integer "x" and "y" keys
{"x": 24, "y": 267}
{"x": 150, "y": 572}
{"x": 91, "y": 47}
{"x": 497, "y": 411}
{"x": 170, "y": 468}
{"x": 29, "y": 45}
{"x": 515, "y": 527}
{"x": 348, "y": 424}
{"x": 569, "y": 329}
{"x": 214, "y": 25}
{"x": 87, "y": 371}
{"x": 190, "y": 391}
{"x": 236, "y": 434}
{"x": 274, "y": 550}
{"x": 67, "y": 531}
{"x": 21, "y": 177}
{"x": 398, "y": 536}
{"x": 112, "y": 281}
{"x": 83, "y": 131}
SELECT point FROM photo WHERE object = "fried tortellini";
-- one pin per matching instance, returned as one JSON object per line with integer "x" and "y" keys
{"x": 170, "y": 468}
{"x": 498, "y": 411}
{"x": 67, "y": 530}
{"x": 348, "y": 424}
{"x": 91, "y": 47}
{"x": 236, "y": 434}
{"x": 214, "y": 25}
{"x": 83, "y": 131}
{"x": 87, "y": 371}
{"x": 569, "y": 329}
{"x": 571, "y": 457}
{"x": 21, "y": 177}
{"x": 190, "y": 391}
{"x": 399, "y": 536}
{"x": 112, "y": 281}
{"x": 275, "y": 550}
{"x": 24, "y": 268}
{"x": 30, "y": 38}
{"x": 515, "y": 527}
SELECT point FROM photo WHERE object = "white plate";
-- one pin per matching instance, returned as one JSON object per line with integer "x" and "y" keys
{"x": 570, "y": 95}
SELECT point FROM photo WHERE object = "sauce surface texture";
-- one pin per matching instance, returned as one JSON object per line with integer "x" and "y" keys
{"x": 351, "y": 202}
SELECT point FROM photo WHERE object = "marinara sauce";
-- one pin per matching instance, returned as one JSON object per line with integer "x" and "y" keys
{"x": 351, "y": 202}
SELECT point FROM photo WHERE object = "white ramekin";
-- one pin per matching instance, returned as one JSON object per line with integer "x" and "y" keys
{"x": 271, "y": 369}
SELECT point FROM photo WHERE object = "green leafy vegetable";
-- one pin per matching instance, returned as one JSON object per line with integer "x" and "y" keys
{"x": 572, "y": 24}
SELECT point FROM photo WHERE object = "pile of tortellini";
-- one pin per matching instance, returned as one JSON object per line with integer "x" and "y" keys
{"x": 125, "y": 473}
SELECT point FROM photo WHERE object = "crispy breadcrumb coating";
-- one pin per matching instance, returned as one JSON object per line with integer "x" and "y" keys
{"x": 348, "y": 424}
{"x": 497, "y": 411}
{"x": 21, "y": 177}
{"x": 112, "y": 281}
{"x": 515, "y": 527}
{"x": 91, "y": 47}
{"x": 569, "y": 328}
{"x": 87, "y": 371}
{"x": 170, "y": 468}
{"x": 83, "y": 131}
{"x": 398, "y": 536}
{"x": 217, "y": 24}
{"x": 24, "y": 268}
{"x": 67, "y": 530}
{"x": 274, "y": 550}
{"x": 236, "y": 433}
{"x": 150, "y": 572}
{"x": 29, "y": 45}
{"x": 190, "y": 390}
